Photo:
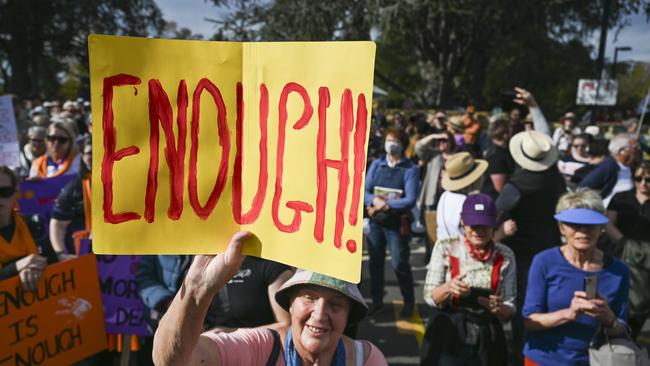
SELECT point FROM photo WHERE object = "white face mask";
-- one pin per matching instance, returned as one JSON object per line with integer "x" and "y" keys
{"x": 393, "y": 148}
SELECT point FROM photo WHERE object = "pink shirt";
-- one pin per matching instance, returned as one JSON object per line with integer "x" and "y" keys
{"x": 254, "y": 346}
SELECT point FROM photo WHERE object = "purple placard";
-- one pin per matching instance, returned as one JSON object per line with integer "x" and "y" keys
{"x": 124, "y": 311}
{"x": 38, "y": 196}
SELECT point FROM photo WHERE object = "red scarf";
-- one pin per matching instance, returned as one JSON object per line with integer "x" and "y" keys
{"x": 480, "y": 254}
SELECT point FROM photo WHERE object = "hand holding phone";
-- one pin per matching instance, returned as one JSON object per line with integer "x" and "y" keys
{"x": 591, "y": 286}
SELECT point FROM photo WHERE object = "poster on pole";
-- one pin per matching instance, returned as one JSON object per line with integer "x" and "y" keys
{"x": 200, "y": 139}
{"x": 597, "y": 92}
{"x": 9, "y": 147}
{"x": 60, "y": 323}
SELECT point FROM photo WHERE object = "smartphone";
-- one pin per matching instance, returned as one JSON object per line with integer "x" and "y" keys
{"x": 591, "y": 286}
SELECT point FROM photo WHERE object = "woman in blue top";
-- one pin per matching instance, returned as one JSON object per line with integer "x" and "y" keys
{"x": 392, "y": 185}
{"x": 560, "y": 317}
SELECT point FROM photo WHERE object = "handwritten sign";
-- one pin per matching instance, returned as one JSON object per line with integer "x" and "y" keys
{"x": 124, "y": 311}
{"x": 38, "y": 197}
{"x": 60, "y": 323}
{"x": 9, "y": 148}
{"x": 200, "y": 139}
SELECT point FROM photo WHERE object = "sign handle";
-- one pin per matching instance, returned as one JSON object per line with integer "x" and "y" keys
{"x": 645, "y": 109}
{"x": 125, "y": 357}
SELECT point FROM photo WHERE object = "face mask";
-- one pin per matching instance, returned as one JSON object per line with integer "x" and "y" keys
{"x": 393, "y": 148}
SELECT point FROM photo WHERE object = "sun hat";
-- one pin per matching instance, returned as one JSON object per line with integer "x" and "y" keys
{"x": 358, "y": 307}
{"x": 533, "y": 150}
{"x": 582, "y": 216}
{"x": 461, "y": 170}
{"x": 456, "y": 123}
{"x": 479, "y": 209}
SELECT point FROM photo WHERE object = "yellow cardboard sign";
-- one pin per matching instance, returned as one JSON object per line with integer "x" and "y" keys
{"x": 195, "y": 140}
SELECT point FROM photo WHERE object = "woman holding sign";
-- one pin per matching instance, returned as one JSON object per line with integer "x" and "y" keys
{"x": 320, "y": 308}
{"x": 18, "y": 252}
{"x": 392, "y": 185}
{"x": 60, "y": 157}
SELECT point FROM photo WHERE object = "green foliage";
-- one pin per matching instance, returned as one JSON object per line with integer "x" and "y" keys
{"x": 40, "y": 38}
{"x": 633, "y": 86}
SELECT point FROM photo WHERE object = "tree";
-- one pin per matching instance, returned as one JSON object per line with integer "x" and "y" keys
{"x": 40, "y": 38}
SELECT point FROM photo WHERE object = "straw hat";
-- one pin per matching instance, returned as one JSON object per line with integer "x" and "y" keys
{"x": 533, "y": 150}
{"x": 456, "y": 122}
{"x": 461, "y": 170}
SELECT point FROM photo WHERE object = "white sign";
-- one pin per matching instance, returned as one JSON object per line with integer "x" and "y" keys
{"x": 597, "y": 92}
{"x": 9, "y": 148}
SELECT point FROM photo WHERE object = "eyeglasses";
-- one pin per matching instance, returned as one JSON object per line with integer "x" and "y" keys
{"x": 579, "y": 145}
{"x": 7, "y": 191}
{"x": 642, "y": 180}
{"x": 60, "y": 139}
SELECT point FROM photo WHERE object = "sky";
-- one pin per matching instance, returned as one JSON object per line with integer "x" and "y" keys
{"x": 192, "y": 13}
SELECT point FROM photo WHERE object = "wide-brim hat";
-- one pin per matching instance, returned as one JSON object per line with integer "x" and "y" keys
{"x": 461, "y": 170}
{"x": 358, "y": 307}
{"x": 581, "y": 216}
{"x": 533, "y": 150}
{"x": 456, "y": 123}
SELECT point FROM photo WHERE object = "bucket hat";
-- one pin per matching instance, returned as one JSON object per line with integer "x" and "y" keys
{"x": 479, "y": 209}
{"x": 583, "y": 216}
{"x": 461, "y": 170}
{"x": 358, "y": 307}
{"x": 533, "y": 150}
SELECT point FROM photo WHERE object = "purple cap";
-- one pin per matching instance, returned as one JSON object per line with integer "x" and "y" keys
{"x": 479, "y": 209}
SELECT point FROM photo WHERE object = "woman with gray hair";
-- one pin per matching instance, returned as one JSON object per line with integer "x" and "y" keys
{"x": 574, "y": 288}
{"x": 33, "y": 149}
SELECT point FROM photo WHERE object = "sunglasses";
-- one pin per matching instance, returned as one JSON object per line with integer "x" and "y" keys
{"x": 7, "y": 191}
{"x": 579, "y": 145}
{"x": 36, "y": 140}
{"x": 642, "y": 180}
{"x": 60, "y": 139}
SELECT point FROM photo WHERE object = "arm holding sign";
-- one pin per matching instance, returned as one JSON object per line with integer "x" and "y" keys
{"x": 178, "y": 339}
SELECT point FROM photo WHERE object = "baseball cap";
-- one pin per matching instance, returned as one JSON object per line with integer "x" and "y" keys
{"x": 479, "y": 209}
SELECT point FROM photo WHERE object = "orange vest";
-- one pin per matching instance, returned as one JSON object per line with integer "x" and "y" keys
{"x": 21, "y": 243}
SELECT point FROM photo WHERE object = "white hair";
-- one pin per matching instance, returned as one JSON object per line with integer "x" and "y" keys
{"x": 619, "y": 142}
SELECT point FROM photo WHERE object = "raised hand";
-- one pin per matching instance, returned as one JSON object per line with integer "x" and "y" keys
{"x": 212, "y": 272}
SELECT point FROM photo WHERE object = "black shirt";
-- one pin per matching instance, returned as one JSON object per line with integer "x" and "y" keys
{"x": 244, "y": 302}
{"x": 500, "y": 162}
{"x": 633, "y": 217}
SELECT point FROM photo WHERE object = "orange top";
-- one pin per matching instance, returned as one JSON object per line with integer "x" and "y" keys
{"x": 41, "y": 166}
{"x": 21, "y": 244}
{"x": 472, "y": 129}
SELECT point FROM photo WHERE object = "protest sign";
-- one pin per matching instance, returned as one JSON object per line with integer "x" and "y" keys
{"x": 9, "y": 148}
{"x": 200, "y": 139}
{"x": 39, "y": 196}
{"x": 124, "y": 311}
{"x": 597, "y": 92}
{"x": 58, "y": 324}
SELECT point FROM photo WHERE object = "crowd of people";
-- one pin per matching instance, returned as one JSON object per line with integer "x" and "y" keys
{"x": 548, "y": 229}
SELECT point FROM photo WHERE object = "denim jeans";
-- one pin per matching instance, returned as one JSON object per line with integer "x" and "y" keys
{"x": 378, "y": 239}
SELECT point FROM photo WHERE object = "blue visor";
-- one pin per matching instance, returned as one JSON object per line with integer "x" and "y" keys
{"x": 582, "y": 216}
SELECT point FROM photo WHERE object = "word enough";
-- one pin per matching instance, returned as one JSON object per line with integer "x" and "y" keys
{"x": 161, "y": 115}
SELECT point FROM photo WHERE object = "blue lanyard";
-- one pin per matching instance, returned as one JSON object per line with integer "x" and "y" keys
{"x": 292, "y": 358}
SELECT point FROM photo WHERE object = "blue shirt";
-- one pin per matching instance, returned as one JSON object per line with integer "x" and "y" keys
{"x": 552, "y": 280}
{"x": 409, "y": 182}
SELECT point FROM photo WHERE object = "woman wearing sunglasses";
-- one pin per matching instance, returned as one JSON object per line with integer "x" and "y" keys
{"x": 60, "y": 157}
{"x": 18, "y": 252}
{"x": 629, "y": 228}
